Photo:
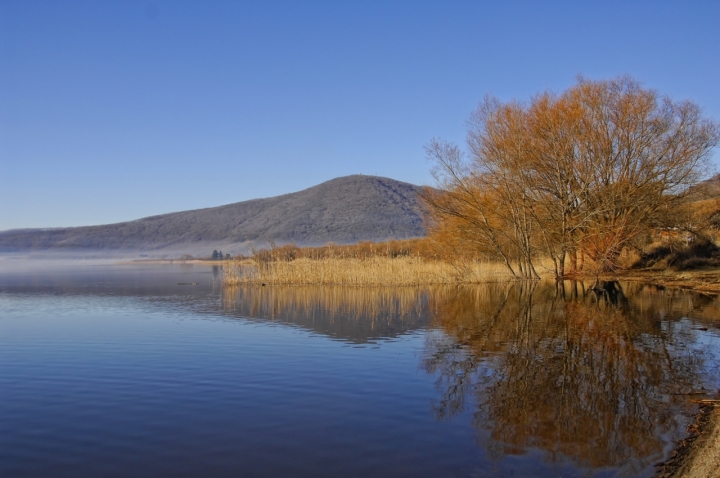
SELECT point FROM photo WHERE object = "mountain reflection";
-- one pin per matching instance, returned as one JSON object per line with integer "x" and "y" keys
{"x": 598, "y": 376}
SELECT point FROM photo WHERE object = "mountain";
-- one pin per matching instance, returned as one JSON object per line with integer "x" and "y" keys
{"x": 343, "y": 210}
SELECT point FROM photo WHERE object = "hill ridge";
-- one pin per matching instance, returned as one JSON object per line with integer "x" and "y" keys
{"x": 343, "y": 210}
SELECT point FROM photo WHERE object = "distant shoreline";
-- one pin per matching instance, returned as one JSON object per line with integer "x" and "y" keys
{"x": 178, "y": 261}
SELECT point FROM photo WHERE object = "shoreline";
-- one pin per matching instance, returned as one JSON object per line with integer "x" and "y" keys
{"x": 700, "y": 281}
{"x": 698, "y": 455}
{"x": 208, "y": 262}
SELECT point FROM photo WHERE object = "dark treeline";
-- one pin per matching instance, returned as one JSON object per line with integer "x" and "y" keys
{"x": 218, "y": 256}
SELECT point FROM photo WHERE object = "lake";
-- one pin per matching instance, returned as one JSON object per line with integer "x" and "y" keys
{"x": 157, "y": 370}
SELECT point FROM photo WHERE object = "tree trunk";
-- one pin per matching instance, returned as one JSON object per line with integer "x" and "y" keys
{"x": 573, "y": 261}
{"x": 560, "y": 275}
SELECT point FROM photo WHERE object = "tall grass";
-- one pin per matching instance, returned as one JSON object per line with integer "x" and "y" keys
{"x": 356, "y": 271}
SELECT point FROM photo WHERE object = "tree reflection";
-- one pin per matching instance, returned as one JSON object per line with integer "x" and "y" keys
{"x": 580, "y": 373}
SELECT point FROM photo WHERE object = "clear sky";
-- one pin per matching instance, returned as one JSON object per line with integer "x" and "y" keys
{"x": 116, "y": 110}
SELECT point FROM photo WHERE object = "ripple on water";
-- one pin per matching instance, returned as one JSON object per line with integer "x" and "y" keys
{"x": 111, "y": 378}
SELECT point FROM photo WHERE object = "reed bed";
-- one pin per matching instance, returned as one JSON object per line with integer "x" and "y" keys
{"x": 355, "y": 271}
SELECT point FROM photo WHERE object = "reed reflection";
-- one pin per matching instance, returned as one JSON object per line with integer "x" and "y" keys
{"x": 346, "y": 313}
{"x": 598, "y": 376}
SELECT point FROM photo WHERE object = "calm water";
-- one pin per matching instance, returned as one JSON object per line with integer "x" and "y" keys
{"x": 156, "y": 370}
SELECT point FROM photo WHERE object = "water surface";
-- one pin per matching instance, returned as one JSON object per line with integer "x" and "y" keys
{"x": 156, "y": 370}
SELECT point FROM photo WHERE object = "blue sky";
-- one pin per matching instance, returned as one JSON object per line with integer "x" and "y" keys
{"x": 112, "y": 111}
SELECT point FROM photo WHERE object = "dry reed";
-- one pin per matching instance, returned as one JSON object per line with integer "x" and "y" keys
{"x": 371, "y": 271}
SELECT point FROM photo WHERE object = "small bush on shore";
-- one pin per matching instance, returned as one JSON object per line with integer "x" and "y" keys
{"x": 702, "y": 254}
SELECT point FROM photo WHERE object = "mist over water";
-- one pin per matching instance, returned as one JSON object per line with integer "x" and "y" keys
{"x": 158, "y": 370}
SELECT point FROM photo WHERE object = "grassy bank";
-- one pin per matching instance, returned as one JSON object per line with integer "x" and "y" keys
{"x": 420, "y": 262}
{"x": 411, "y": 271}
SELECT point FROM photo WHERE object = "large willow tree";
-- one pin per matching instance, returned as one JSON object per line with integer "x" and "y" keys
{"x": 580, "y": 174}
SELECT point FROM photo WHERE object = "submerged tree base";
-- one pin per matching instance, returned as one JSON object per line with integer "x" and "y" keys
{"x": 704, "y": 281}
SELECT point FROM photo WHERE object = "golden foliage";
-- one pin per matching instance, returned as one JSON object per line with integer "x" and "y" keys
{"x": 579, "y": 174}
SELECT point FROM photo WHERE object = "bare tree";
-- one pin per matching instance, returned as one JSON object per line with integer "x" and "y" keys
{"x": 584, "y": 172}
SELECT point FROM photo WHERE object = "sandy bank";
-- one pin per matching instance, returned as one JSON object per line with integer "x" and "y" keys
{"x": 698, "y": 456}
